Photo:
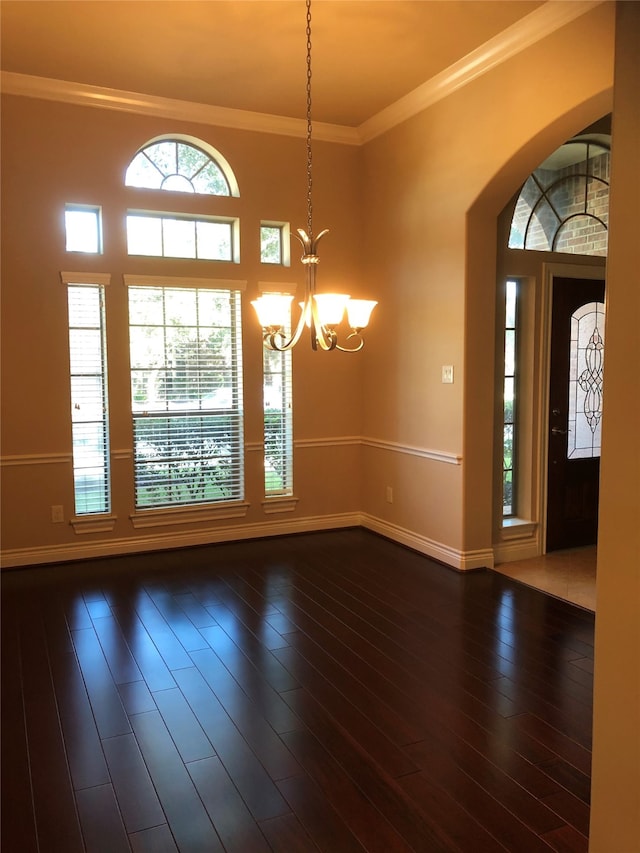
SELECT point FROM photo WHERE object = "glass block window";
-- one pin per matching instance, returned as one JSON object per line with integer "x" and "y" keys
{"x": 178, "y": 166}
{"x": 509, "y": 400}
{"x": 89, "y": 409}
{"x": 586, "y": 368}
{"x": 564, "y": 204}
{"x": 186, "y": 391}
{"x": 173, "y": 236}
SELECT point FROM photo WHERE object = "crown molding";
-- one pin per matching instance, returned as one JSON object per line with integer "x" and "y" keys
{"x": 516, "y": 38}
{"x": 85, "y": 95}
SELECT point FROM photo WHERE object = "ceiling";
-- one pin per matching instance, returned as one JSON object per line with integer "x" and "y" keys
{"x": 250, "y": 54}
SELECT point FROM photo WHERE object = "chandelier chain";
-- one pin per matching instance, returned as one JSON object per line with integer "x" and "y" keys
{"x": 309, "y": 129}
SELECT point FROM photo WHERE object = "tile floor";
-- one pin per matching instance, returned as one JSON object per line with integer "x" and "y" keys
{"x": 569, "y": 574}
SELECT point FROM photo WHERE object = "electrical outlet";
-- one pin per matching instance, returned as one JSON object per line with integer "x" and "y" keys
{"x": 389, "y": 495}
{"x": 447, "y": 374}
{"x": 57, "y": 514}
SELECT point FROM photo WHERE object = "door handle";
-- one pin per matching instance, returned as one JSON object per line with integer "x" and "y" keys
{"x": 558, "y": 431}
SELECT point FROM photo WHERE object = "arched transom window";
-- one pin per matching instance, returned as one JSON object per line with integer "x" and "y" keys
{"x": 179, "y": 165}
{"x": 564, "y": 203}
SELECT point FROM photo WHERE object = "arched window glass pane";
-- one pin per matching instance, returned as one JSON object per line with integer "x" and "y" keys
{"x": 540, "y": 228}
{"x": 586, "y": 366}
{"x": 210, "y": 181}
{"x": 573, "y": 182}
{"x": 580, "y": 231}
{"x": 567, "y": 196}
{"x": 177, "y": 184}
{"x": 177, "y": 167}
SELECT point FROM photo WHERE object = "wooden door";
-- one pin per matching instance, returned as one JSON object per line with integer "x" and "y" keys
{"x": 575, "y": 412}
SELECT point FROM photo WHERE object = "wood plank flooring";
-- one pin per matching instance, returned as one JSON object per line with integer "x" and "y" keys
{"x": 330, "y": 691}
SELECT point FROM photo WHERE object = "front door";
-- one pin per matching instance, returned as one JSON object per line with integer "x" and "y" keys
{"x": 575, "y": 412}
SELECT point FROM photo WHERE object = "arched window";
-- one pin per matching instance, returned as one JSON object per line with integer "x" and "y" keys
{"x": 564, "y": 203}
{"x": 187, "y": 165}
{"x": 181, "y": 164}
{"x": 185, "y": 334}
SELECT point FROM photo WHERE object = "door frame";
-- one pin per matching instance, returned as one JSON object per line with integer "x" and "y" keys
{"x": 549, "y": 272}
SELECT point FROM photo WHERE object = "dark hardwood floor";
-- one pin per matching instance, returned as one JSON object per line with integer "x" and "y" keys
{"x": 330, "y": 691}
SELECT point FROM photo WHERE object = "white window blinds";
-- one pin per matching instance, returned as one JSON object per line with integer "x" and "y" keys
{"x": 186, "y": 389}
{"x": 89, "y": 412}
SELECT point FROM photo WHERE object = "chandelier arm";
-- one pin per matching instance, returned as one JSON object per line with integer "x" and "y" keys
{"x": 352, "y": 349}
{"x": 270, "y": 338}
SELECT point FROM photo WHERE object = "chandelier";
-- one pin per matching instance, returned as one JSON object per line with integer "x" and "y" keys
{"x": 320, "y": 312}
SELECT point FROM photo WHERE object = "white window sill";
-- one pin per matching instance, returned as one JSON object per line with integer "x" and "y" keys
{"x": 93, "y": 523}
{"x": 188, "y": 514}
{"x": 279, "y": 503}
{"x": 518, "y": 528}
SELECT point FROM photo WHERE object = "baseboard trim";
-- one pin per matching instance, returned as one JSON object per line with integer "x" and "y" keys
{"x": 508, "y": 552}
{"x": 464, "y": 561}
{"x": 70, "y": 552}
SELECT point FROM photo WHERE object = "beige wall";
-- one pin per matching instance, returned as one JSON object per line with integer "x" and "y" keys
{"x": 615, "y": 790}
{"x": 428, "y": 194}
{"x": 434, "y": 187}
{"x": 54, "y": 153}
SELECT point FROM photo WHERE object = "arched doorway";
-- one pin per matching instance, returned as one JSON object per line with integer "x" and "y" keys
{"x": 552, "y": 239}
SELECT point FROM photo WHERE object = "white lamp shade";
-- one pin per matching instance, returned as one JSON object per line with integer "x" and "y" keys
{"x": 273, "y": 310}
{"x": 359, "y": 312}
{"x": 330, "y": 307}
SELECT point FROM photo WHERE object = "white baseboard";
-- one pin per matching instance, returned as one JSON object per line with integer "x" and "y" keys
{"x": 461, "y": 560}
{"x": 166, "y": 541}
{"x": 508, "y": 552}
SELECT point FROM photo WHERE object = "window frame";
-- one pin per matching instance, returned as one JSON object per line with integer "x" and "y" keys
{"x": 279, "y": 448}
{"x": 98, "y": 283}
{"x": 284, "y": 242}
{"x": 168, "y": 216}
{"x": 96, "y": 210}
{"x": 232, "y": 290}
{"x": 513, "y": 377}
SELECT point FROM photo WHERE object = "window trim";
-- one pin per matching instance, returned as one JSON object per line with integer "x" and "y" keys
{"x": 285, "y": 243}
{"x": 72, "y": 207}
{"x": 91, "y": 522}
{"x": 514, "y": 409}
{"x": 284, "y": 496}
{"x": 221, "y": 161}
{"x": 163, "y": 215}
{"x": 205, "y": 510}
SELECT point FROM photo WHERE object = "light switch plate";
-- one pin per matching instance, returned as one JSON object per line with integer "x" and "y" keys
{"x": 447, "y": 374}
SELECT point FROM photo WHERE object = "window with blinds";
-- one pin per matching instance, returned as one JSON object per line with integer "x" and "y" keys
{"x": 89, "y": 411}
{"x": 278, "y": 423}
{"x": 186, "y": 390}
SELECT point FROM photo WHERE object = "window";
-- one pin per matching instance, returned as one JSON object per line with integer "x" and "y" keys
{"x": 278, "y": 423}
{"x": 509, "y": 400}
{"x": 173, "y": 236}
{"x": 271, "y": 244}
{"x": 180, "y": 166}
{"x": 83, "y": 229}
{"x": 186, "y": 391}
{"x": 89, "y": 410}
{"x": 564, "y": 203}
{"x": 586, "y": 366}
